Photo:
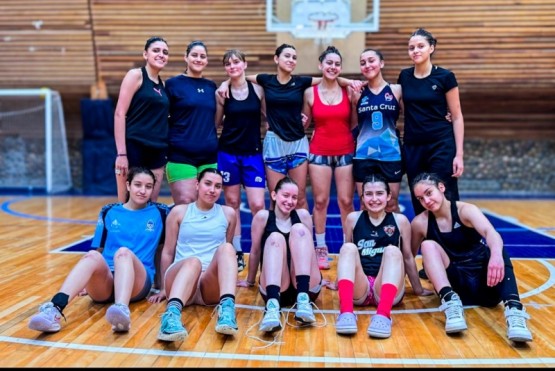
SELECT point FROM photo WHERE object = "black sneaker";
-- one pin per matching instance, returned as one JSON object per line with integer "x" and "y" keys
{"x": 240, "y": 262}
{"x": 422, "y": 274}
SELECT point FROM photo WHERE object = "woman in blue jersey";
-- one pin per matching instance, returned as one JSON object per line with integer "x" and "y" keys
{"x": 377, "y": 107}
{"x": 240, "y": 144}
{"x": 373, "y": 262}
{"x": 464, "y": 258}
{"x": 431, "y": 142}
{"x": 198, "y": 259}
{"x": 193, "y": 140}
{"x": 141, "y": 118}
{"x": 123, "y": 272}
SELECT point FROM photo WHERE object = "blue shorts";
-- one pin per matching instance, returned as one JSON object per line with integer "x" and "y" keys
{"x": 247, "y": 170}
{"x": 282, "y": 156}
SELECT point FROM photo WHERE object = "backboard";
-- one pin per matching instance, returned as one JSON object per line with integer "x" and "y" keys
{"x": 319, "y": 19}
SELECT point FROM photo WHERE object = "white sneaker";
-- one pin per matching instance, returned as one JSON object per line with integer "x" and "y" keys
{"x": 119, "y": 317}
{"x": 47, "y": 319}
{"x": 516, "y": 324}
{"x": 454, "y": 315}
{"x": 272, "y": 317}
{"x": 304, "y": 312}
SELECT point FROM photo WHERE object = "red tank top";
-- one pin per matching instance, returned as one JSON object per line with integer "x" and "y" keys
{"x": 332, "y": 127}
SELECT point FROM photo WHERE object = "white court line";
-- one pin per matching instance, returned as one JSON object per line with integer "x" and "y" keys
{"x": 311, "y": 359}
{"x": 279, "y": 358}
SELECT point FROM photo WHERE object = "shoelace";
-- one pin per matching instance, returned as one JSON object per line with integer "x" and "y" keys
{"x": 315, "y": 324}
{"x": 517, "y": 321}
{"x": 453, "y": 310}
{"x": 275, "y": 340}
{"x": 172, "y": 319}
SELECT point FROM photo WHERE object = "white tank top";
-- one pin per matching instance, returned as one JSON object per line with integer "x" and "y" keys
{"x": 201, "y": 233}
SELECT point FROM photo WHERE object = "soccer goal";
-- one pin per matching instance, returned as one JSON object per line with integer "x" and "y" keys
{"x": 33, "y": 144}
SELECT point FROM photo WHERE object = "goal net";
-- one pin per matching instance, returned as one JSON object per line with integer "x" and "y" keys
{"x": 33, "y": 144}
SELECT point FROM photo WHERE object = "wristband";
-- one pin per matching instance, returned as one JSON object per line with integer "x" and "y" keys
{"x": 251, "y": 284}
{"x": 122, "y": 154}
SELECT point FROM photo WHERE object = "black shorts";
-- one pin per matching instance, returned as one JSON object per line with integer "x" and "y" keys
{"x": 469, "y": 277}
{"x": 148, "y": 157}
{"x": 391, "y": 170}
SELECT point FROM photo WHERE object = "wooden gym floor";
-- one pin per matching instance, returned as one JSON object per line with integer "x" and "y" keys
{"x": 36, "y": 231}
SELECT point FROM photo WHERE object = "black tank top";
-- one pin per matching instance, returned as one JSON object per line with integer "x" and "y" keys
{"x": 371, "y": 240}
{"x": 272, "y": 227}
{"x": 241, "y": 132}
{"x": 146, "y": 121}
{"x": 462, "y": 243}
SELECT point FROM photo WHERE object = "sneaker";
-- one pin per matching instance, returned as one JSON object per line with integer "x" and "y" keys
{"x": 240, "y": 262}
{"x": 119, "y": 316}
{"x": 422, "y": 274}
{"x": 172, "y": 329}
{"x": 516, "y": 324}
{"x": 226, "y": 324}
{"x": 322, "y": 255}
{"x": 454, "y": 314}
{"x": 346, "y": 323}
{"x": 47, "y": 319}
{"x": 272, "y": 317}
{"x": 304, "y": 311}
{"x": 379, "y": 327}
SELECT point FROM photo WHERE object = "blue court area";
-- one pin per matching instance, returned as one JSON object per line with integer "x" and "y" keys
{"x": 520, "y": 241}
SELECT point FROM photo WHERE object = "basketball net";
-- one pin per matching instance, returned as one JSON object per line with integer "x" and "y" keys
{"x": 324, "y": 36}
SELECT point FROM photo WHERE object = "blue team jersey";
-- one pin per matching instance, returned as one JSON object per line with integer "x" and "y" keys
{"x": 139, "y": 230}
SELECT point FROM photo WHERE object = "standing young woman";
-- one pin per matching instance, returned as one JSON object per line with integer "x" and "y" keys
{"x": 331, "y": 146}
{"x": 141, "y": 118}
{"x": 285, "y": 147}
{"x": 240, "y": 145}
{"x": 198, "y": 259}
{"x": 378, "y": 148}
{"x": 129, "y": 234}
{"x": 372, "y": 264}
{"x": 464, "y": 258}
{"x": 431, "y": 142}
{"x": 282, "y": 245}
{"x": 193, "y": 140}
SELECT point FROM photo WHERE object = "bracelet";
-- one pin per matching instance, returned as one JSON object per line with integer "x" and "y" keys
{"x": 122, "y": 154}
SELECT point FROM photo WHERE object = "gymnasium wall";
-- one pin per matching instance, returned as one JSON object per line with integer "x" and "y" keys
{"x": 500, "y": 50}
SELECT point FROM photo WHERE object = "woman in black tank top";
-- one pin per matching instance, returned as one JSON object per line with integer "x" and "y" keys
{"x": 464, "y": 258}
{"x": 282, "y": 245}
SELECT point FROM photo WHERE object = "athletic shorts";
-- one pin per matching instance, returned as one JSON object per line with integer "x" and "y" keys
{"x": 370, "y": 298}
{"x": 391, "y": 170}
{"x": 469, "y": 279}
{"x": 148, "y": 157}
{"x": 176, "y": 172}
{"x": 282, "y": 156}
{"x": 289, "y": 296}
{"x": 247, "y": 170}
{"x": 140, "y": 296}
{"x": 331, "y": 161}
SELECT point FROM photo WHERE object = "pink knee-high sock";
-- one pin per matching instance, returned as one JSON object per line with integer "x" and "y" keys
{"x": 386, "y": 299}
{"x": 346, "y": 289}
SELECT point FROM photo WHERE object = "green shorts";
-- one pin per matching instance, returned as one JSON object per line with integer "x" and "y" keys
{"x": 176, "y": 172}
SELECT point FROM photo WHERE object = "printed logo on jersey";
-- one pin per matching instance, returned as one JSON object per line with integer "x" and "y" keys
{"x": 434, "y": 87}
{"x": 159, "y": 91}
{"x": 258, "y": 179}
{"x": 367, "y": 248}
{"x": 115, "y": 225}
{"x": 389, "y": 230}
{"x": 457, "y": 225}
{"x": 199, "y": 90}
{"x": 364, "y": 101}
{"x": 388, "y": 97}
{"x": 150, "y": 225}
